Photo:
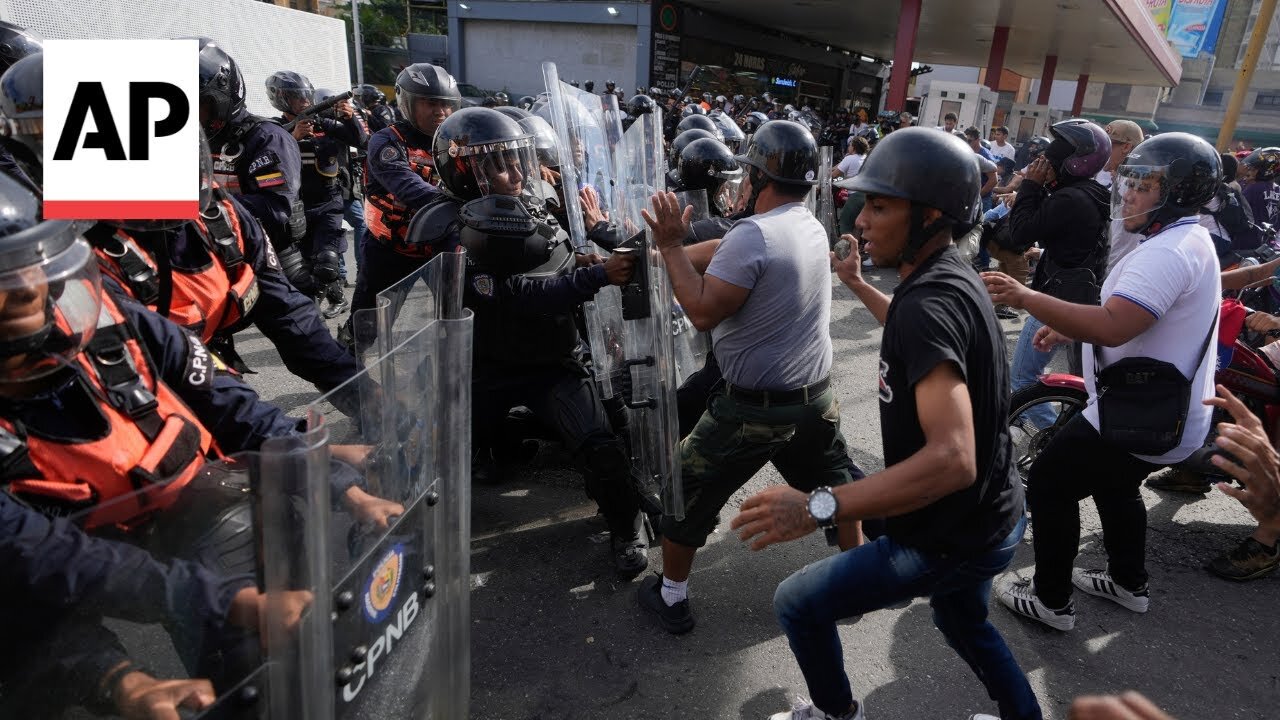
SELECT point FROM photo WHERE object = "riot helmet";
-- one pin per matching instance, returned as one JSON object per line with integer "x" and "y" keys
{"x": 480, "y": 152}
{"x": 432, "y": 90}
{"x": 49, "y": 285}
{"x": 1263, "y": 163}
{"x": 738, "y": 100}
{"x": 1166, "y": 177}
{"x": 544, "y": 136}
{"x": 640, "y": 105}
{"x": 22, "y": 104}
{"x": 930, "y": 169}
{"x": 781, "y": 151}
{"x": 369, "y": 95}
{"x": 221, "y": 88}
{"x": 502, "y": 98}
{"x": 720, "y": 101}
{"x": 1079, "y": 149}
{"x": 325, "y": 94}
{"x": 686, "y": 137}
{"x": 609, "y": 85}
{"x": 693, "y": 108}
{"x": 753, "y": 122}
{"x": 290, "y": 92}
{"x": 708, "y": 165}
{"x": 589, "y": 86}
{"x": 1036, "y": 147}
{"x": 16, "y": 43}
{"x": 701, "y": 122}
{"x": 733, "y": 135}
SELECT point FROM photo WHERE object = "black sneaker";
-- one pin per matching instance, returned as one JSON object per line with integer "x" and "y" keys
{"x": 630, "y": 551}
{"x": 1004, "y": 312}
{"x": 676, "y": 619}
{"x": 1247, "y": 561}
{"x": 1179, "y": 480}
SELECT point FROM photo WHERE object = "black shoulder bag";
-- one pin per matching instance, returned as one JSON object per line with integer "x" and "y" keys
{"x": 1143, "y": 402}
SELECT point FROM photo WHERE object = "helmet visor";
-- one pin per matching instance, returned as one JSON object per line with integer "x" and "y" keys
{"x": 425, "y": 112}
{"x": 1138, "y": 190}
{"x": 508, "y": 168}
{"x": 293, "y": 100}
{"x": 49, "y": 309}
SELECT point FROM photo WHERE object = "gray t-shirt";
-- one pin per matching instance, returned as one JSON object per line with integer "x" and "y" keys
{"x": 781, "y": 336}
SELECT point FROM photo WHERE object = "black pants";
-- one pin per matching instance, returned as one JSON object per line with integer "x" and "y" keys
{"x": 566, "y": 399}
{"x": 1078, "y": 464}
{"x": 380, "y": 268}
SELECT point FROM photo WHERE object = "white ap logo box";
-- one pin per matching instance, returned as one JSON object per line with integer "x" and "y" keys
{"x": 121, "y": 129}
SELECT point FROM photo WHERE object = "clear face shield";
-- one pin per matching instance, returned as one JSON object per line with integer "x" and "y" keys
{"x": 424, "y": 112}
{"x": 49, "y": 301}
{"x": 508, "y": 168}
{"x": 1137, "y": 191}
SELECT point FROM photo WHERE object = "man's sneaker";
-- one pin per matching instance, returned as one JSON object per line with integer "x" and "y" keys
{"x": 1020, "y": 597}
{"x": 1004, "y": 312}
{"x": 983, "y": 716}
{"x": 802, "y": 709}
{"x": 1247, "y": 561}
{"x": 676, "y": 619}
{"x": 1179, "y": 480}
{"x": 1099, "y": 582}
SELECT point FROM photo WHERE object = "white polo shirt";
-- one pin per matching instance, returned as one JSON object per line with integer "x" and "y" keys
{"x": 1174, "y": 276}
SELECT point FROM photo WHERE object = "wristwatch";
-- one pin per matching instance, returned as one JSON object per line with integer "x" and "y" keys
{"x": 823, "y": 506}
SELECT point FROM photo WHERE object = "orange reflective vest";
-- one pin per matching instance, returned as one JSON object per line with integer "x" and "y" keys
{"x": 216, "y": 296}
{"x": 385, "y": 217}
{"x": 154, "y": 445}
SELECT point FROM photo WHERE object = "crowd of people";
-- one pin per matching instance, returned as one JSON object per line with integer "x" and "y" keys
{"x": 119, "y": 372}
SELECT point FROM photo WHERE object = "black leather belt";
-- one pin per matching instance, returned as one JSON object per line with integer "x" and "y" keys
{"x": 801, "y": 395}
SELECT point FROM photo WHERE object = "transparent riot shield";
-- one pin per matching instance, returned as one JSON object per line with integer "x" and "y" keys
{"x": 690, "y": 345}
{"x": 431, "y": 292}
{"x": 825, "y": 205}
{"x": 397, "y": 547}
{"x": 589, "y": 128}
{"x": 647, "y": 312}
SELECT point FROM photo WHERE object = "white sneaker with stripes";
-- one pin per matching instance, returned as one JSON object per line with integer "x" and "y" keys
{"x": 1020, "y": 597}
{"x": 1099, "y": 582}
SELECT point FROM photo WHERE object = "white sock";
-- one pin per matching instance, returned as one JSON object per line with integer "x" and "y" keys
{"x": 673, "y": 592}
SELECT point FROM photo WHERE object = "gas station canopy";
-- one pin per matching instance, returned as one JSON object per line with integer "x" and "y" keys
{"x": 1108, "y": 40}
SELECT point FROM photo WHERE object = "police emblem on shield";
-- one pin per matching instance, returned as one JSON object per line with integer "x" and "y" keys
{"x": 383, "y": 584}
{"x": 483, "y": 284}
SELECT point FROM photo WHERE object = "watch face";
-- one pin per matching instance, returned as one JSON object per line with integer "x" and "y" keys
{"x": 822, "y": 505}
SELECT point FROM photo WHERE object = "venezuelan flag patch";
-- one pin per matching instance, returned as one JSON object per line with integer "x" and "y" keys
{"x": 270, "y": 179}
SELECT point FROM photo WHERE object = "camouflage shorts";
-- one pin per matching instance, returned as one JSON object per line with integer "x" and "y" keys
{"x": 734, "y": 439}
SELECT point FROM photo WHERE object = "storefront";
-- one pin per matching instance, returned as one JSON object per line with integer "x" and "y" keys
{"x": 699, "y": 51}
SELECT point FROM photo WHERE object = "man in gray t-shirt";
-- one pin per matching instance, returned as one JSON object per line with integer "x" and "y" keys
{"x": 765, "y": 295}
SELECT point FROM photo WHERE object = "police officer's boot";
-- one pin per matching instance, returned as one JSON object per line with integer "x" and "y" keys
{"x": 337, "y": 300}
{"x": 629, "y": 543}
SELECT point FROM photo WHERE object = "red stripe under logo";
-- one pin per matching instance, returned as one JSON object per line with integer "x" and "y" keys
{"x": 121, "y": 209}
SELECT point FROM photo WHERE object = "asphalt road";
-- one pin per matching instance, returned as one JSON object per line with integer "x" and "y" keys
{"x": 555, "y": 636}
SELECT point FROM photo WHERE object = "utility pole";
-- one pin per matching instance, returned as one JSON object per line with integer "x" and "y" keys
{"x": 1256, "y": 41}
{"x": 355, "y": 30}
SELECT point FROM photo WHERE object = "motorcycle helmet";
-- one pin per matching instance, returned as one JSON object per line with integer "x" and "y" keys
{"x": 1085, "y": 144}
{"x": 368, "y": 95}
{"x": 221, "y": 89}
{"x": 1166, "y": 177}
{"x": 424, "y": 81}
{"x": 1264, "y": 163}
{"x": 290, "y": 92}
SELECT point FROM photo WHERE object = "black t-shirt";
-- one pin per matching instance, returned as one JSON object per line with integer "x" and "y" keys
{"x": 941, "y": 313}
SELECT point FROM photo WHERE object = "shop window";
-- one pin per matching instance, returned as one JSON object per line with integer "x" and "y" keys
{"x": 1267, "y": 101}
{"x": 950, "y": 106}
{"x": 1212, "y": 98}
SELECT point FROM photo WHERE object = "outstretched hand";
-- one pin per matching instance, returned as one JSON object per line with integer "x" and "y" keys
{"x": 670, "y": 226}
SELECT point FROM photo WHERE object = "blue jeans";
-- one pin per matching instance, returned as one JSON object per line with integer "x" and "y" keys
{"x": 353, "y": 213}
{"x": 882, "y": 573}
{"x": 1028, "y": 365}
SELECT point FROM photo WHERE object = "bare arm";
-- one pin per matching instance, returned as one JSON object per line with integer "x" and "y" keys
{"x": 706, "y": 299}
{"x": 1241, "y": 277}
{"x": 1115, "y": 323}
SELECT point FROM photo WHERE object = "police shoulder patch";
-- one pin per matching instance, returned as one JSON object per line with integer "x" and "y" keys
{"x": 390, "y": 153}
{"x": 265, "y": 160}
{"x": 483, "y": 284}
{"x": 200, "y": 365}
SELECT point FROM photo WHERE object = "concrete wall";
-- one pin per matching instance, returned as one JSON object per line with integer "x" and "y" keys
{"x": 509, "y": 54}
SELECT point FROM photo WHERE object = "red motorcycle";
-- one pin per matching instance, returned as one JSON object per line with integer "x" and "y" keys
{"x": 1247, "y": 373}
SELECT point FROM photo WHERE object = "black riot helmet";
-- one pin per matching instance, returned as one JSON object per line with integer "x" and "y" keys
{"x": 424, "y": 81}
{"x": 1264, "y": 163}
{"x": 369, "y": 95}
{"x": 706, "y": 164}
{"x": 51, "y": 273}
{"x": 22, "y": 104}
{"x": 753, "y": 121}
{"x": 221, "y": 88}
{"x": 589, "y": 86}
{"x": 1166, "y": 177}
{"x": 686, "y": 137}
{"x": 544, "y": 137}
{"x": 640, "y": 105}
{"x": 930, "y": 169}
{"x": 479, "y": 152}
{"x": 324, "y": 94}
{"x": 16, "y": 43}
{"x": 782, "y": 151}
{"x": 502, "y": 98}
{"x": 692, "y": 108}
{"x": 738, "y": 100}
{"x": 290, "y": 92}
{"x": 609, "y": 85}
{"x": 700, "y": 122}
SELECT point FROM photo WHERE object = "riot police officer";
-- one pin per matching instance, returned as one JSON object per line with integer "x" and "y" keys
{"x": 524, "y": 284}
{"x": 253, "y": 158}
{"x": 706, "y": 164}
{"x": 374, "y": 101}
{"x": 401, "y": 180}
{"x": 17, "y": 43}
{"x": 325, "y": 143}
